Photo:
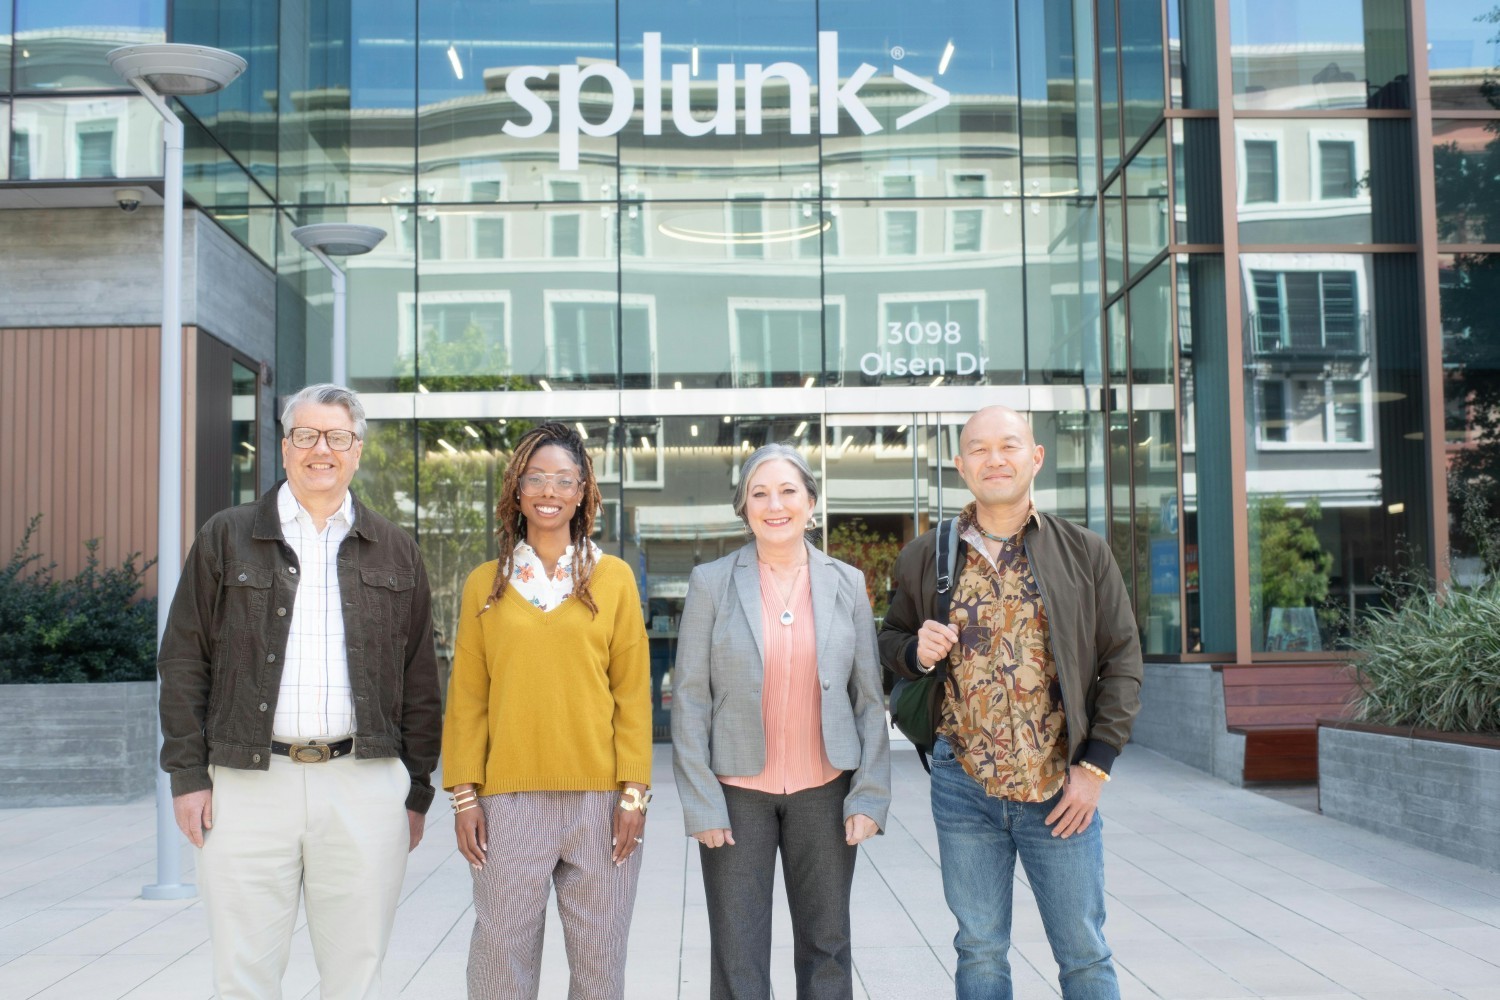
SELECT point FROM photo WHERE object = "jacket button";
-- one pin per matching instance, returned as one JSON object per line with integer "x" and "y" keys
{"x": 393, "y": 581}
{"x": 281, "y": 612}
{"x": 292, "y": 570}
{"x": 262, "y": 706}
{"x": 271, "y": 658}
{"x": 244, "y": 577}
{"x": 255, "y": 758}
{"x": 826, "y": 685}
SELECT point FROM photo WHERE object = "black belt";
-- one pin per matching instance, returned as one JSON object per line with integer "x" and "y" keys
{"x": 313, "y": 753}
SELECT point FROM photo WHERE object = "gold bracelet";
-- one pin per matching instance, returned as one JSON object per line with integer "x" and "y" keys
{"x": 465, "y": 808}
{"x": 632, "y": 799}
{"x": 1094, "y": 769}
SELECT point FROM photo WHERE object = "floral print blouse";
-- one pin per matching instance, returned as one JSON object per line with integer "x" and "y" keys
{"x": 531, "y": 581}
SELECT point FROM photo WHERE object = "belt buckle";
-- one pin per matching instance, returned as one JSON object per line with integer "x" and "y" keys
{"x": 309, "y": 753}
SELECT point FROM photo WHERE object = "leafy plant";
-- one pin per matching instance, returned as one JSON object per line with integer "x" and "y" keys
{"x": 1433, "y": 660}
{"x": 89, "y": 628}
{"x": 1288, "y": 565}
{"x": 872, "y": 553}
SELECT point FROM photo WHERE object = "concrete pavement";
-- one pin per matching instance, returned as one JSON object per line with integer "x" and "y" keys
{"x": 1214, "y": 892}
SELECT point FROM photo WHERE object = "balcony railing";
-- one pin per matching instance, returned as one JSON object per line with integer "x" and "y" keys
{"x": 1275, "y": 337}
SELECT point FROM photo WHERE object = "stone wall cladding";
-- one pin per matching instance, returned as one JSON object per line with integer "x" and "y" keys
{"x": 1444, "y": 797}
{"x": 1182, "y": 717}
{"x": 77, "y": 744}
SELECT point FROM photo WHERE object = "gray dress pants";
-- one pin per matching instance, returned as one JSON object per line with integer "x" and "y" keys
{"x": 808, "y": 828}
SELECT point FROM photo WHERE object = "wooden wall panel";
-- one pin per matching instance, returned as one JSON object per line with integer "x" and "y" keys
{"x": 78, "y": 442}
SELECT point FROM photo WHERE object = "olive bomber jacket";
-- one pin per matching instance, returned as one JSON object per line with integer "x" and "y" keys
{"x": 226, "y": 638}
{"x": 1092, "y": 629}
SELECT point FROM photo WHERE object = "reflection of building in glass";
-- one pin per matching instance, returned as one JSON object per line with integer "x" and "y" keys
{"x": 846, "y": 226}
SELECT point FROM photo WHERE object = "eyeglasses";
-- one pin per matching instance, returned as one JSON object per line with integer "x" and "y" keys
{"x": 563, "y": 483}
{"x": 307, "y": 437}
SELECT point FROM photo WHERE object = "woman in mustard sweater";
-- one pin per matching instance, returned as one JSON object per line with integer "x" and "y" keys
{"x": 547, "y": 739}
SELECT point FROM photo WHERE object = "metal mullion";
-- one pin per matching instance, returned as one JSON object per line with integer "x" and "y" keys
{"x": 1369, "y": 248}
{"x": 1315, "y": 113}
{"x": 1432, "y": 342}
{"x": 1191, "y": 113}
{"x": 1234, "y": 333}
{"x": 1179, "y": 414}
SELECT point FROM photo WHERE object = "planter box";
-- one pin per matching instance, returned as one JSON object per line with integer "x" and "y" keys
{"x": 1438, "y": 791}
{"x": 77, "y": 744}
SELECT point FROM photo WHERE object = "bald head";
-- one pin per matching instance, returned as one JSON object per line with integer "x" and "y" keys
{"x": 997, "y": 422}
{"x": 998, "y": 457}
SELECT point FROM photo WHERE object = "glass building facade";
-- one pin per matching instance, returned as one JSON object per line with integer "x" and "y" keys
{"x": 1232, "y": 258}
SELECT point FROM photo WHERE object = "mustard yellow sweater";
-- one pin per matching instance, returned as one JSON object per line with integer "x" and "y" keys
{"x": 549, "y": 701}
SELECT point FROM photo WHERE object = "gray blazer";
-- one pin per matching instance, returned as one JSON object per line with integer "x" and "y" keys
{"x": 717, "y": 728}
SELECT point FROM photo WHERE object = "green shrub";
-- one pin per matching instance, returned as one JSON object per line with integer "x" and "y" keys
{"x": 89, "y": 628}
{"x": 1432, "y": 659}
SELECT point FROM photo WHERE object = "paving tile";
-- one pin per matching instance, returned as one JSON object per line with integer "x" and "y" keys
{"x": 1213, "y": 892}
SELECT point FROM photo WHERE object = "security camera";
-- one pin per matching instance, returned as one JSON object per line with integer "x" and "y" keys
{"x": 129, "y": 199}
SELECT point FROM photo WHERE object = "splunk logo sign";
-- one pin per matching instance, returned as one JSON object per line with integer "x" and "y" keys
{"x": 831, "y": 97}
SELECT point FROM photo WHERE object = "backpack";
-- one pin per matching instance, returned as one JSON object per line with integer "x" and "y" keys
{"x": 912, "y": 710}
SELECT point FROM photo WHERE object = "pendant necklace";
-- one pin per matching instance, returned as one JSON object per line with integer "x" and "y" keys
{"x": 786, "y": 606}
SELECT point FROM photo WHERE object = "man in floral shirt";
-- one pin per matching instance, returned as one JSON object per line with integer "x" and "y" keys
{"x": 1042, "y": 669}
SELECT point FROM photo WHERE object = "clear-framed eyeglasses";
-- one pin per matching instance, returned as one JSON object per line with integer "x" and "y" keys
{"x": 307, "y": 437}
{"x": 564, "y": 484}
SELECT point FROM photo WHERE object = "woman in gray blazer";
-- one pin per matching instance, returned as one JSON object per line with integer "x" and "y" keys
{"x": 779, "y": 736}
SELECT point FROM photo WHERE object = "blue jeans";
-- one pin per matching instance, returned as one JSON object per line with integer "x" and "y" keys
{"x": 979, "y": 839}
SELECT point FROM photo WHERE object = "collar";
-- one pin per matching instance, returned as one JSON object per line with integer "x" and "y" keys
{"x": 523, "y": 547}
{"x": 267, "y": 525}
{"x": 967, "y": 518}
{"x": 288, "y": 507}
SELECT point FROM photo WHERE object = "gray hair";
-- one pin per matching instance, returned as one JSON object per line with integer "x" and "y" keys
{"x": 769, "y": 453}
{"x": 326, "y": 394}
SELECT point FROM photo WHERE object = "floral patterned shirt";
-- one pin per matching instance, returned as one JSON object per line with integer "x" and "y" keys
{"x": 531, "y": 581}
{"x": 1006, "y": 725}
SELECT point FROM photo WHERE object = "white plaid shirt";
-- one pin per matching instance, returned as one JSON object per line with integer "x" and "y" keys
{"x": 316, "y": 699}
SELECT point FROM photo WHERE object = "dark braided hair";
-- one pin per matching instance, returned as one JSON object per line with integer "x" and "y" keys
{"x": 510, "y": 523}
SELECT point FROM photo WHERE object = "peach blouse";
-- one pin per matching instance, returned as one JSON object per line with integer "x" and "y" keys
{"x": 791, "y": 700}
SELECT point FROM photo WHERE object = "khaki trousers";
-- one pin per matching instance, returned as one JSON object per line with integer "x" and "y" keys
{"x": 336, "y": 833}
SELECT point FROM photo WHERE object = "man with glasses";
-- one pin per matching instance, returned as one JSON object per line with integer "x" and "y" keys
{"x": 300, "y": 709}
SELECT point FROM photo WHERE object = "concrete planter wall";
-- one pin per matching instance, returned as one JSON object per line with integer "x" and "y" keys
{"x": 1442, "y": 794}
{"x": 1182, "y": 717}
{"x": 77, "y": 744}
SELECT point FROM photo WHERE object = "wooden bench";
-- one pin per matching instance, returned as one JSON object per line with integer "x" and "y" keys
{"x": 1277, "y": 707}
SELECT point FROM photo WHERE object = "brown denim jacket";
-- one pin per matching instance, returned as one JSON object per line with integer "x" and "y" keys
{"x": 222, "y": 654}
{"x": 1093, "y": 632}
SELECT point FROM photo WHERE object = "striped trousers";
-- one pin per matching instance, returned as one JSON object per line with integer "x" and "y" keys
{"x": 538, "y": 840}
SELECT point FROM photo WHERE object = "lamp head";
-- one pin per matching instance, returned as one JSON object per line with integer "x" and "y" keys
{"x": 177, "y": 69}
{"x": 341, "y": 239}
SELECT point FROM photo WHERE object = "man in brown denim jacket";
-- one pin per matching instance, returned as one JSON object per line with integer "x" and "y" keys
{"x": 300, "y": 713}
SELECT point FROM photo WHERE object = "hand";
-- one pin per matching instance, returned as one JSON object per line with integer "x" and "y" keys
{"x": 858, "y": 829}
{"x": 934, "y": 641}
{"x": 417, "y": 822}
{"x": 1075, "y": 810}
{"x": 715, "y": 838}
{"x": 469, "y": 828}
{"x": 195, "y": 814}
{"x": 630, "y": 828}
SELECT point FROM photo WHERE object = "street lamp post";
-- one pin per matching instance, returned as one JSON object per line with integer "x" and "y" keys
{"x": 325, "y": 240}
{"x": 160, "y": 71}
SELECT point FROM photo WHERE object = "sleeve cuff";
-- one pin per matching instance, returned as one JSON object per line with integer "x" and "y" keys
{"x": 191, "y": 779}
{"x": 419, "y": 799}
{"x": 1099, "y": 754}
{"x": 912, "y": 663}
{"x": 640, "y": 775}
